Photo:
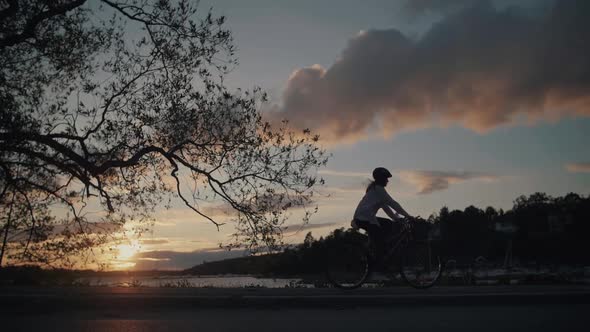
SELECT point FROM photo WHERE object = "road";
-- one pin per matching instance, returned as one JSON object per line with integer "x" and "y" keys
{"x": 492, "y": 308}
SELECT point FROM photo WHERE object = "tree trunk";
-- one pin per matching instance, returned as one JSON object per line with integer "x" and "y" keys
{"x": 6, "y": 228}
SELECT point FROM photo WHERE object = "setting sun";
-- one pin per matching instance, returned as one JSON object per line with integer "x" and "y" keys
{"x": 127, "y": 250}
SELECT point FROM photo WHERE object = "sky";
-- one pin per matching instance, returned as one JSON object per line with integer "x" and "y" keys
{"x": 467, "y": 102}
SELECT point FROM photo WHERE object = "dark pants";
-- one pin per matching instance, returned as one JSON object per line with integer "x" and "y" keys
{"x": 380, "y": 234}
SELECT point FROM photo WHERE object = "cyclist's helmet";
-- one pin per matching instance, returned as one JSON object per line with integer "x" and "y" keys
{"x": 381, "y": 173}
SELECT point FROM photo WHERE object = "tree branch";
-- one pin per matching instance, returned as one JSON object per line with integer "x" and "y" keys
{"x": 29, "y": 28}
{"x": 10, "y": 11}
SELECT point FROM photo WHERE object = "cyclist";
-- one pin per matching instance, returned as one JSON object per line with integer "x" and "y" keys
{"x": 376, "y": 197}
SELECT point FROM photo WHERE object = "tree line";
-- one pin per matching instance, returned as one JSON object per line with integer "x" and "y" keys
{"x": 542, "y": 230}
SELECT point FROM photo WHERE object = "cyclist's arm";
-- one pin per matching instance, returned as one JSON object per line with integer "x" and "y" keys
{"x": 389, "y": 201}
{"x": 390, "y": 213}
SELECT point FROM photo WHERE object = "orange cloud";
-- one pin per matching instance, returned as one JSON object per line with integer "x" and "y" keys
{"x": 479, "y": 68}
{"x": 154, "y": 241}
{"x": 428, "y": 182}
{"x": 578, "y": 167}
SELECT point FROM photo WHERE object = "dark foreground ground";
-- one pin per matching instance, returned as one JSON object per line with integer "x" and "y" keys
{"x": 492, "y": 308}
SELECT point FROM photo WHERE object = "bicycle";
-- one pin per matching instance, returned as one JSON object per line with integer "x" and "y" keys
{"x": 350, "y": 263}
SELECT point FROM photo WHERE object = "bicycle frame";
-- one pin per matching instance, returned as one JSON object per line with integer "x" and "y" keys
{"x": 412, "y": 267}
{"x": 399, "y": 241}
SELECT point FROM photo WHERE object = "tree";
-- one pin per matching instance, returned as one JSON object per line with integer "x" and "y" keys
{"x": 308, "y": 241}
{"x": 121, "y": 104}
{"x": 535, "y": 200}
{"x": 491, "y": 213}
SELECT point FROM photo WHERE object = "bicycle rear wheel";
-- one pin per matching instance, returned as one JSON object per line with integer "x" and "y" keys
{"x": 347, "y": 261}
{"x": 421, "y": 265}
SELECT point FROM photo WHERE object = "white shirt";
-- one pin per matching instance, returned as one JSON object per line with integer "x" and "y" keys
{"x": 376, "y": 198}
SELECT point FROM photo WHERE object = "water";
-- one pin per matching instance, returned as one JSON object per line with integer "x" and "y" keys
{"x": 450, "y": 276}
{"x": 189, "y": 281}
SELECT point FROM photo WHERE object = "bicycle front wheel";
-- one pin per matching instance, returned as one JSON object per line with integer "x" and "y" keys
{"x": 347, "y": 263}
{"x": 421, "y": 265}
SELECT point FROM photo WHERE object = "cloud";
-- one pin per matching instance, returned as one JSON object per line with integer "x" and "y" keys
{"x": 173, "y": 217}
{"x": 224, "y": 209}
{"x": 165, "y": 223}
{"x": 428, "y": 182}
{"x": 479, "y": 68}
{"x": 219, "y": 210}
{"x": 175, "y": 260}
{"x": 88, "y": 228}
{"x": 352, "y": 188}
{"x": 154, "y": 241}
{"x": 578, "y": 167}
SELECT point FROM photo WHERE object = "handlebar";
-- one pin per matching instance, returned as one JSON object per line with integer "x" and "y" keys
{"x": 408, "y": 223}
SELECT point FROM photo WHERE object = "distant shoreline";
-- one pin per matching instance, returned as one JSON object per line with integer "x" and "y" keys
{"x": 180, "y": 279}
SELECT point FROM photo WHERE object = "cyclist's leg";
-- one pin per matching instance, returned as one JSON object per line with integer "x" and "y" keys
{"x": 388, "y": 228}
{"x": 378, "y": 235}
{"x": 375, "y": 234}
